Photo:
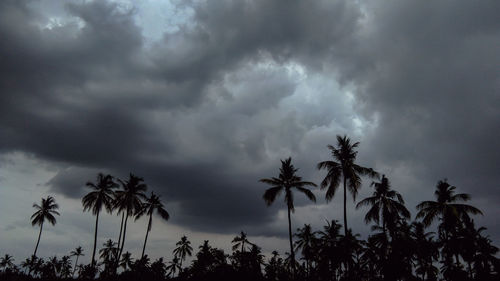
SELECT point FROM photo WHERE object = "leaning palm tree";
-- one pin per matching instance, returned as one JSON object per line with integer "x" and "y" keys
{"x": 76, "y": 253}
{"x": 446, "y": 206}
{"x": 240, "y": 241}
{"x": 287, "y": 181}
{"x": 129, "y": 200}
{"x": 45, "y": 211}
{"x": 152, "y": 204}
{"x": 100, "y": 196}
{"x": 183, "y": 249}
{"x": 386, "y": 204}
{"x": 344, "y": 168}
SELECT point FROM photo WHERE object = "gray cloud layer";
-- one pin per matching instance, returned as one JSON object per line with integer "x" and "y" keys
{"x": 209, "y": 109}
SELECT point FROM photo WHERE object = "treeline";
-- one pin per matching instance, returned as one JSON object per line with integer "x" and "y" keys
{"x": 396, "y": 249}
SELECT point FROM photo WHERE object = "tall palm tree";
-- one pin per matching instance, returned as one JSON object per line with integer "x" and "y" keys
{"x": 76, "y": 253}
{"x": 129, "y": 200}
{"x": 344, "y": 168}
{"x": 183, "y": 249}
{"x": 287, "y": 181}
{"x": 100, "y": 196}
{"x": 152, "y": 204}
{"x": 306, "y": 242}
{"x": 446, "y": 206}
{"x": 45, "y": 211}
{"x": 386, "y": 204}
{"x": 240, "y": 241}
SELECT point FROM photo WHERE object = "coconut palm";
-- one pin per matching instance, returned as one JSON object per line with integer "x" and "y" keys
{"x": 183, "y": 249}
{"x": 78, "y": 252}
{"x": 108, "y": 253}
{"x": 386, "y": 204}
{"x": 287, "y": 181}
{"x": 100, "y": 196}
{"x": 152, "y": 204}
{"x": 129, "y": 200}
{"x": 306, "y": 242}
{"x": 7, "y": 262}
{"x": 173, "y": 267}
{"x": 240, "y": 241}
{"x": 344, "y": 169}
{"x": 45, "y": 211}
{"x": 126, "y": 261}
{"x": 446, "y": 206}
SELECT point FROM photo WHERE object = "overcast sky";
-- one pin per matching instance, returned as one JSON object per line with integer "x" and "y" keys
{"x": 203, "y": 98}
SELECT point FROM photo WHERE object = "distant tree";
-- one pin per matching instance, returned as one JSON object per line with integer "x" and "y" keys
{"x": 173, "y": 267}
{"x": 306, "y": 242}
{"x": 152, "y": 204}
{"x": 100, "y": 196}
{"x": 129, "y": 200}
{"x": 240, "y": 241}
{"x": 286, "y": 182}
{"x": 7, "y": 262}
{"x": 78, "y": 252}
{"x": 183, "y": 249}
{"x": 126, "y": 261}
{"x": 344, "y": 168}
{"x": 386, "y": 204}
{"x": 45, "y": 211}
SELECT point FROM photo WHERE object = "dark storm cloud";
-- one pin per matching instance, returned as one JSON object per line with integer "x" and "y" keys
{"x": 199, "y": 113}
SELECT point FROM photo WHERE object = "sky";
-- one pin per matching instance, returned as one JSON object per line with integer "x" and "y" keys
{"x": 203, "y": 99}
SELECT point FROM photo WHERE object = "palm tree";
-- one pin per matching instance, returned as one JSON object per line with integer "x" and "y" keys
{"x": 76, "y": 253}
{"x": 129, "y": 200}
{"x": 183, "y": 249}
{"x": 108, "y": 253}
{"x": 45, "y": 211}
{"x": 101, "y": 195}
{"x": 7, "y": 262}
{"x": 173, "y": 267}
{"x": 287, "y": 181}
{"x": 126, "y": 261}
{"x": 152, "y": 204}
{"x": 344, "y": 169}
{"x": 240, "y": 241}
{"x": 386, "y": 204}
{"x": 306, "y": 242}
{"x": 446, "y": 207}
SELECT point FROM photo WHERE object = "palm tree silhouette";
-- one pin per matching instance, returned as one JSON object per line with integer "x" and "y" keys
{"x": 173, "y": 267}
{"x": 45, "y": 211}
{"x": 287, "y": 181}
{"x": 344, "y": 169}
{"x": 306, "y": 242}
{"x": 101, "y": 195}
{"x": 126, "y": 260}
{"x": 183, "y": 249}
{"x": 386, "y": 204}
{"x": 129, "y": 200}
{"x": 446, "y": 207}
{"x": 240, "y": 241}
{"x": 76, "y": 253}
{"x": 108, "y": 253}
{"x": 152, "y": 204}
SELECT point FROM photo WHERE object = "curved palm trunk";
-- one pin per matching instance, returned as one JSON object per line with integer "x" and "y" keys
{"x": 292, "y": 254}
{"x": 123, "y": 240}
{"x": 95, "y": 238}
{"x": 74, "y": 269}
{"x": 120, "y": 236}
{"x": 147, "y": 233}
{"x": 39, "y": 235}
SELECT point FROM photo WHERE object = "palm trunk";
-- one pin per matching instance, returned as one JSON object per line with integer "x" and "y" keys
{"x": 292, "y": 254}
{"x": 95, "y": 238}
{"x": 121, "y": 229}
{"x": 147, "y": 233}
{"x": 345, "y": 209}
{"x": 123, "y": 240}
{"x": 74, "y": 269}
{"x": 38, "y": 241}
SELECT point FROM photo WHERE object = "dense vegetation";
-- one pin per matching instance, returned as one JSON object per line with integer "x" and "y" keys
{"x": 396, "y": 249}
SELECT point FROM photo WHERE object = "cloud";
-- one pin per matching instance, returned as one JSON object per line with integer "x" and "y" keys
{"x": 211, "y": 106}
